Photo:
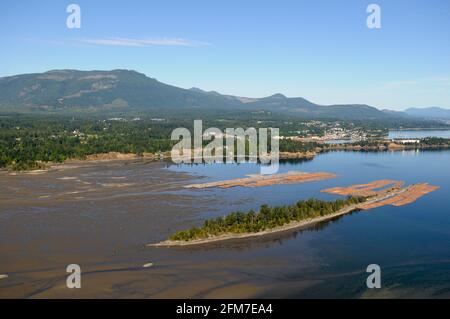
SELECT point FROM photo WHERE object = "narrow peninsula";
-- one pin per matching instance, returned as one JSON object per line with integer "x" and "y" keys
{"x": 270, "y": 220}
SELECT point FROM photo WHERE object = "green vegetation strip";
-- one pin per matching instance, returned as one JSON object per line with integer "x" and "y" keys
{"x": 32, "y": 141}
{"x": 267, "y": 218}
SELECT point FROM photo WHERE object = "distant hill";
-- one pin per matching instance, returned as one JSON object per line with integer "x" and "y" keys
{"x": 129, "y": 90}
{"x": 98, "y": 89}
{"x": 434, "y": 112}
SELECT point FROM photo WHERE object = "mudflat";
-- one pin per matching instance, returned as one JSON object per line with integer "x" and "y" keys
{"x": 101, "y": 215}
{"x": 97, "y": 215}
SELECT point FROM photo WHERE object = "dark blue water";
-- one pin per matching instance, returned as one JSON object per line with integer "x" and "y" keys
{"x": 410, "y": 243}
{"x": 419, "y": 134}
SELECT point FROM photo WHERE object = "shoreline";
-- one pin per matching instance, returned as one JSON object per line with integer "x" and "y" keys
{"x": 165, "y": 156}
{"x": 111, "y": 157}
{"x": 279, "y": 229}
{"x": 422, "y": 129}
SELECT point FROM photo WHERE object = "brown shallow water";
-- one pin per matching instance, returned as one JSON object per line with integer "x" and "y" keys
{"x": 100, "y": 216}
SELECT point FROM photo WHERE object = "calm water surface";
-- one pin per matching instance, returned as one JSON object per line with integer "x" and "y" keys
{"x": 102, "y": 216}
{"x": 419, "y": 134}
{"x": 410, "y": 243}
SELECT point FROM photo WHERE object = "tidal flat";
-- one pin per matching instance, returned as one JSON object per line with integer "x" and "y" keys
{"x": 101, "y": 215}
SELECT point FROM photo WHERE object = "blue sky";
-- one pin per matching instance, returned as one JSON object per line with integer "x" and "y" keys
{"x": 321, "y": 50}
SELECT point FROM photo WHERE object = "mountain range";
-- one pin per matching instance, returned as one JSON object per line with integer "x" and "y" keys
{"x": 434, "y": 112}
{"x": 124, "y": 90}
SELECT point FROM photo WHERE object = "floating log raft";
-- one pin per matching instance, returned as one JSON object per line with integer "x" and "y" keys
{"x": 408, "y": 196}
{"x": 400, "y": 195}
{"x": 266, "y": 180}
{"x": 374, "y": 188}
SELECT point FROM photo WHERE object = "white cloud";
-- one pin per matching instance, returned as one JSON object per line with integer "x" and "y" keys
{"x": 144, "y": 42}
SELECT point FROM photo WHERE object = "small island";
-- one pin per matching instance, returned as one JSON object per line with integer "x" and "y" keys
{"x": 270, "y": 220}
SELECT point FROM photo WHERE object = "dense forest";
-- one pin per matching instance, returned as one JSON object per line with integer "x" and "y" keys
{"x": 29, "y": 141}
{"x": 266, "y": 218}
{"x": 435, "y": 141}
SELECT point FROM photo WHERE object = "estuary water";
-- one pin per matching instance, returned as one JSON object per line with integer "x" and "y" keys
{"x": 50, "y": 220}
{"x": 407, "y": 134}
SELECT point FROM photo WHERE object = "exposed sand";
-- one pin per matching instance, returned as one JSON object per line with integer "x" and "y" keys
{"x": 266, "y": 180}
{"x": 395, "y": 146}
{"x": 99, "y": 158}
{"x": 110, "y": 156}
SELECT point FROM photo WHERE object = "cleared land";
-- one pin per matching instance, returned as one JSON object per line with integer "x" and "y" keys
{"x": 266, "y": 180}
